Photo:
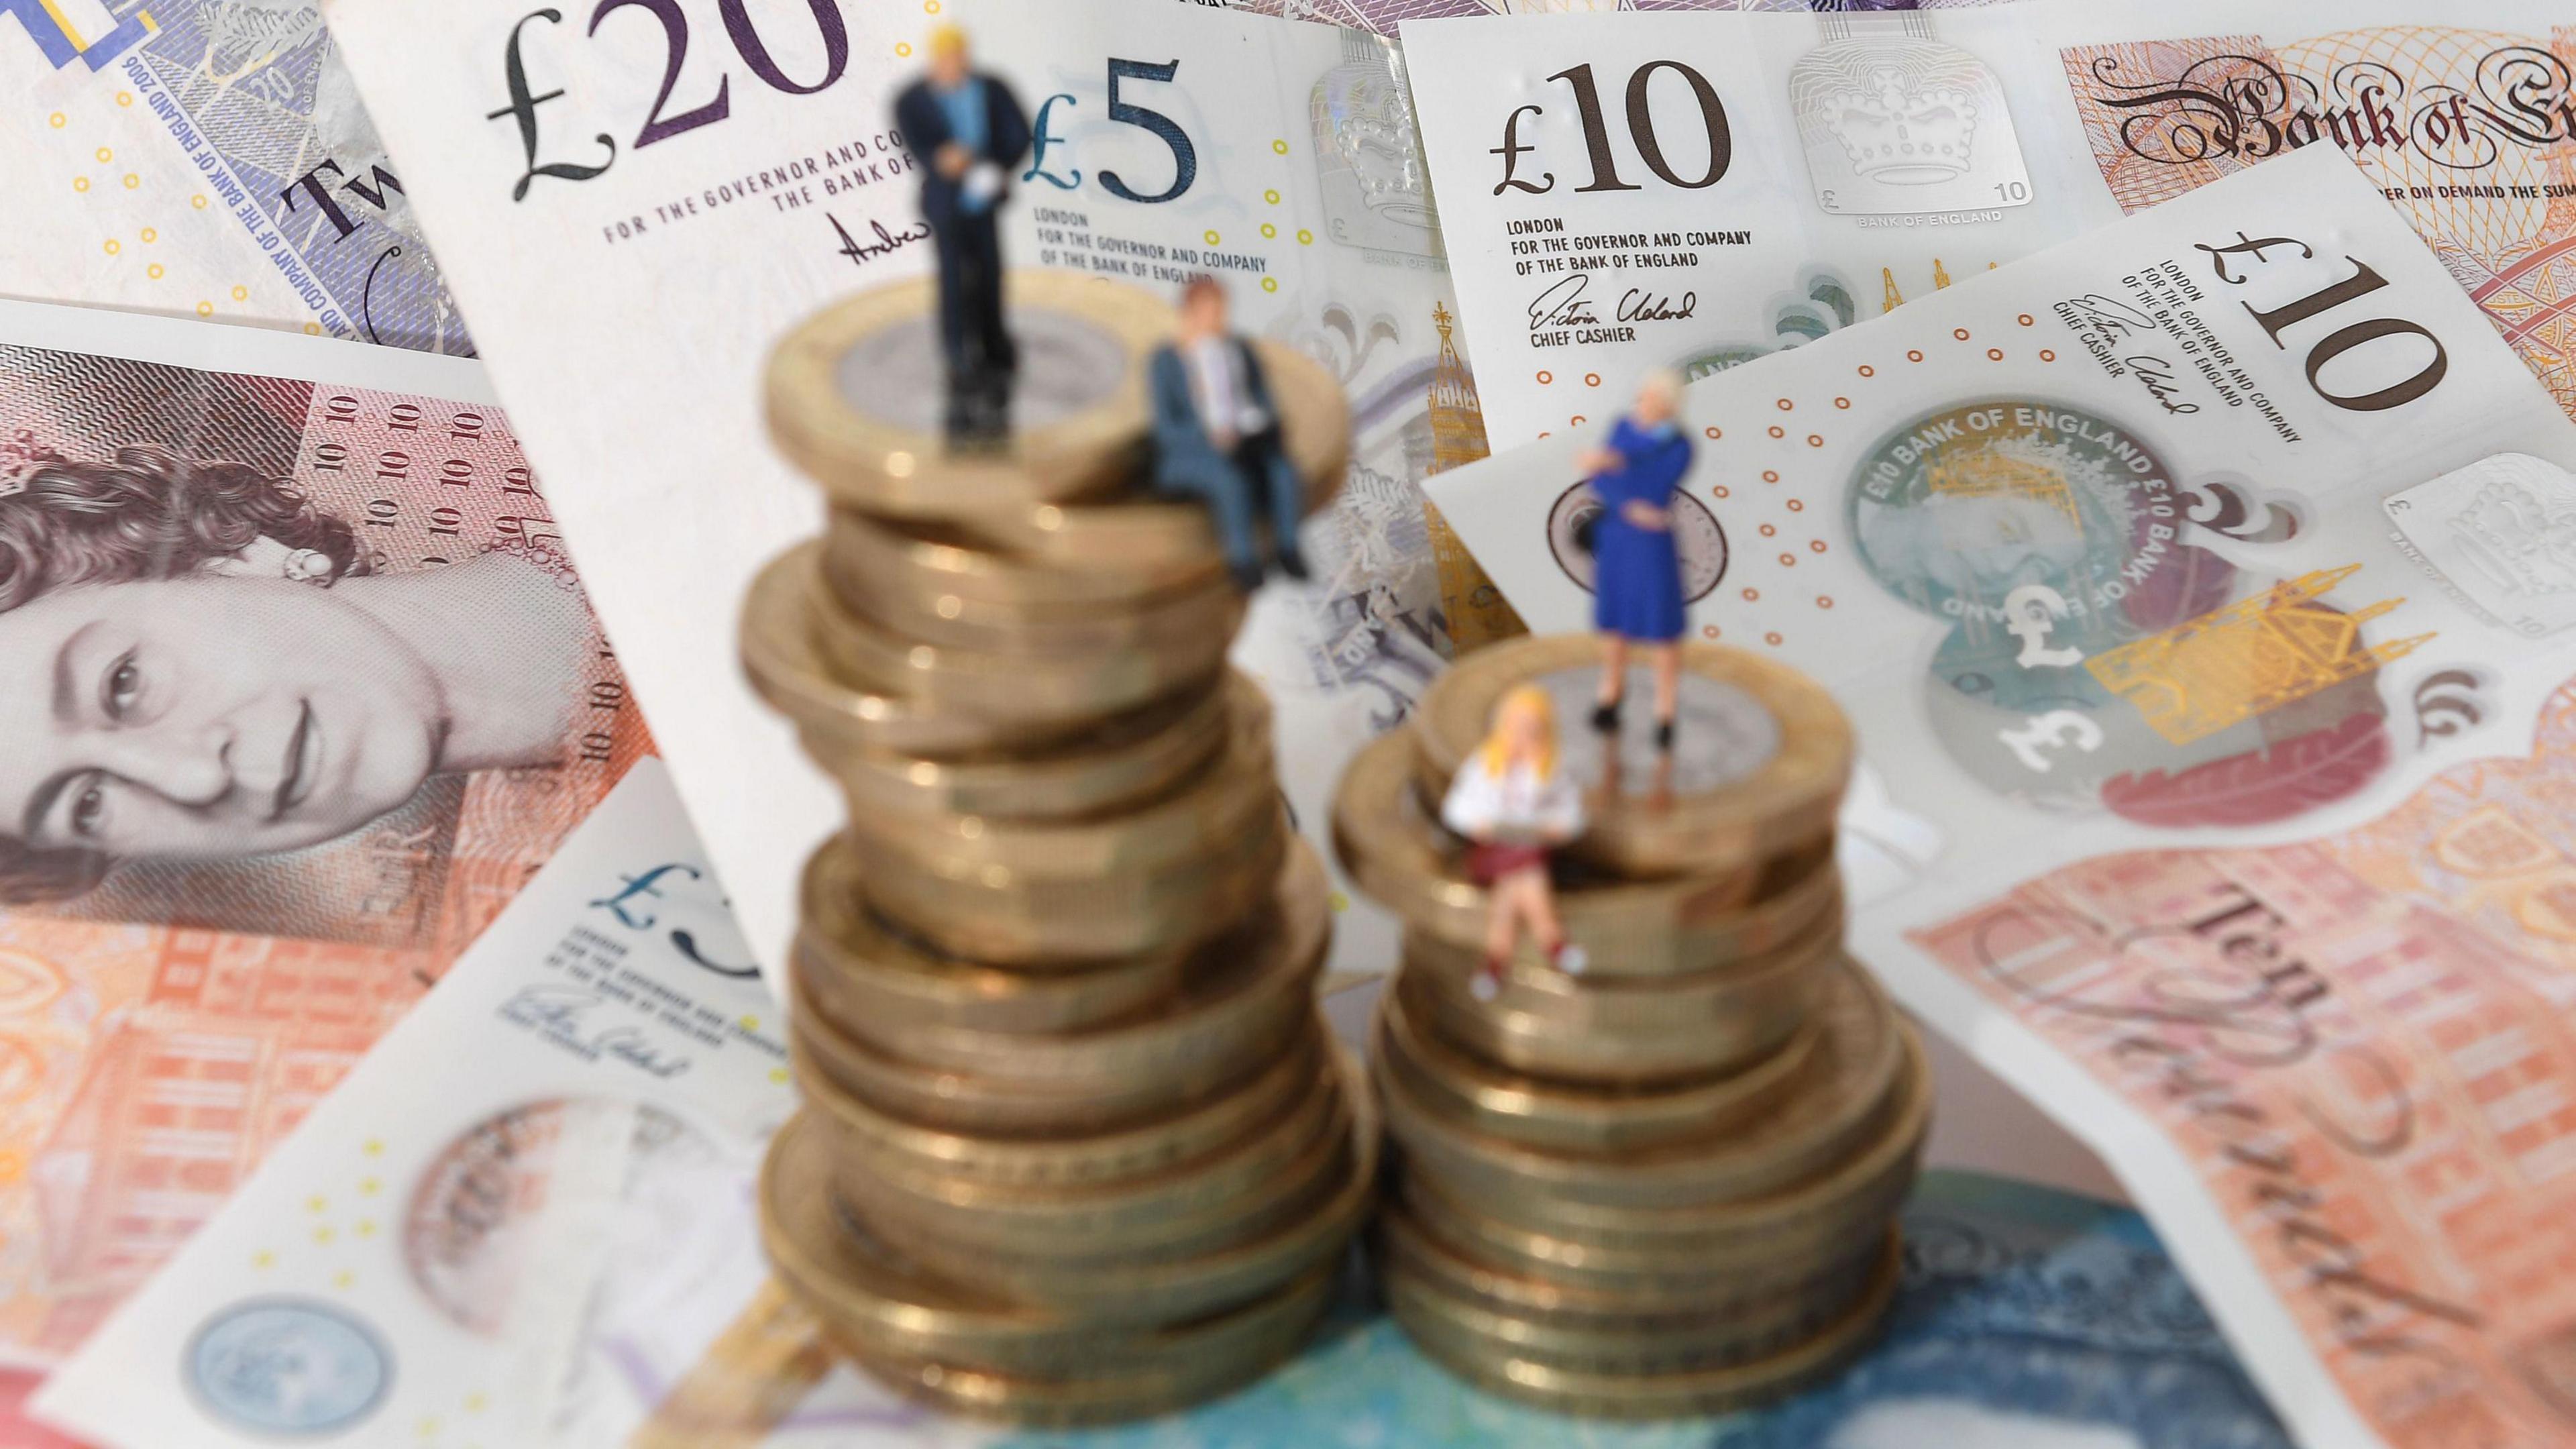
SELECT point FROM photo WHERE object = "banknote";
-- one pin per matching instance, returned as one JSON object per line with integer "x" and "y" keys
{"x": 521, "y": 1219}
{"x": 651, "y": 283}
{"x": 1696, "y": 191}
{"x": 208, "y": 158}
{"x": 1386, "y": 17}
{"x": 2026, "y": 1319}
{"x": 306, "y": 690}
{"x": 2115, "y": 549}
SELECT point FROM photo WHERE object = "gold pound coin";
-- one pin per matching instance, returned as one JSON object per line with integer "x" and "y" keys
{"x": 1248, "y": 987}
{"x": 1540, "y": 1113}
{"x": 1853, "y": 1087}
{"x": 1727, "y": 1328}
{"x": 1187, "y": 622}
{"x": 967, "y": 1102}
{"x": 1397, "y": 852}
{"x": 878, "y": 1307}
{"x": 1056, "y": 692}
{"x": 857, "y": 398}
{"x": 1113, "y": 765}
{"x": 1615, "y": 1031}
{"x": 1203, "y": 1362}
{"x": 866, "y": 557}
{"x": 1161, "y": 878}
{"x": 1805, "y": 1222}
{"x": 838, "y": 713}
{"x": 1099, "y": 1219}
{"x": 872, "y": 980}
{"x": 1134, "y": 532}
{"x": 1687, "y": 1293}
{"x": 864, "y": 1134}
{"x": 1762, "y": 756}
{"x": 1180, "y": 1288}
{"x": 1496, "y": 1365}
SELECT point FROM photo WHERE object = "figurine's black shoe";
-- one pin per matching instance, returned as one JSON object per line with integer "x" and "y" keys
{"x": 1605, "y": 718}
{"x": 1247, "y": 575}
{"x": 1292, "y": 562}
{"x": 1664, "y": 735}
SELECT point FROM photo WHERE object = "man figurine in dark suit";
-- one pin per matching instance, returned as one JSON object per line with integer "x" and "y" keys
{"x": 966, "y": 133}
{"x": 1216, "y": 437}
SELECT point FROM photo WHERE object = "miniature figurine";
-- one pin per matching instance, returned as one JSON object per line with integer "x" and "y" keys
{"x": 1510, "y": 799}
{"x": 1216, "y": 437}
{"x": 1636, "y": 567}
{"x": 966, "y": 132}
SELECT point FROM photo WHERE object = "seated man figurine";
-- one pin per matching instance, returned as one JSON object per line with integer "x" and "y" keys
{"x": 1216, "y": 437}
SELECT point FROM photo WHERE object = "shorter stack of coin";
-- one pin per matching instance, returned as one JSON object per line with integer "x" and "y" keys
{"x": 1666, "y": 1185}
{"x": 1076, "y": 1145}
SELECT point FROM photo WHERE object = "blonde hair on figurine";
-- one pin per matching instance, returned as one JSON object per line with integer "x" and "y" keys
{"x": 948, "y": 39}
{"x": 1662, "y": 382}
{"x": 1526, "y": 703}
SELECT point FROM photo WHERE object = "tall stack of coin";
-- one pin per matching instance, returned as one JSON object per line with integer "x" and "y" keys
{"x": 1076, "y": 1145}
{"x": 1665, "y": 1185}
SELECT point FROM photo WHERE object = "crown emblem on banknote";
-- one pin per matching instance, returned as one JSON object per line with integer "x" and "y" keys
{"x": 2252, "y": 657}
{"x": 2520, "y": 531}
{"x": 1991, "y": 473}
{"x": 1904, "y": 124}
{"x": 1362, "y": 115}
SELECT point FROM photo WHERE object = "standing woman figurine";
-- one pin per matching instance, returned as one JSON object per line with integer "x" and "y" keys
{"x": 1636, "y": 568}
{"x": 1510, "y": 799}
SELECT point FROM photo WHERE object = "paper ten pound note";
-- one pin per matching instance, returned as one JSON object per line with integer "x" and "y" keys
{"x": 303, "y": 691}
{"x": 2096, "y": 551}
{"x": 520, "y": 1221}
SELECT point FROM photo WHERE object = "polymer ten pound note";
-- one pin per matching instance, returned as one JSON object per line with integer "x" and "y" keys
{"x": 2098, "y": 551}
{"x": 299, "y": 690}
{"x": 520, "y": 1221}
{"x": 1695, "y": 191}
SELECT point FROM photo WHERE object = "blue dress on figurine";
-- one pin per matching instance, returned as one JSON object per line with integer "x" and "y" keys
{"x": 1637, "y": 572}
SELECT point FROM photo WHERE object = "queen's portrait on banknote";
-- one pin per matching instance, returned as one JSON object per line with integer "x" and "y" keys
{"x": 211, "y": 668}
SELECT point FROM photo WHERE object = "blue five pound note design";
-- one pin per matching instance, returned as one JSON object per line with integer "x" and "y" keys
{"x": 2028, "y": 1319}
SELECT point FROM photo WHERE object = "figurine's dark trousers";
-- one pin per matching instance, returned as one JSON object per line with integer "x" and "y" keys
{"x": 1256, "y": 480}
{"x": 978, "y": 347}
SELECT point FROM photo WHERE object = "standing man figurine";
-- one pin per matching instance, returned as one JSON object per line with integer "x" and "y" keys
{"x": 1216, "y": 437}
{"x": 1636, "y": 565}
{"x": 966, "y": 132}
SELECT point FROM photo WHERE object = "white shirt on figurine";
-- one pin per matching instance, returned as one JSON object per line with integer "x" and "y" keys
{"x": 1515, "y": 803}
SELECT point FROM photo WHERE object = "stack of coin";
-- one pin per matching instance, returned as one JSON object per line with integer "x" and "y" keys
{"x": 1668, "y": 1184}
{"x": 1076, "y": 1143}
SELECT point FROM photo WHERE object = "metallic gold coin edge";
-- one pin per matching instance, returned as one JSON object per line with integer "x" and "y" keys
{"x": 878, "y": 467}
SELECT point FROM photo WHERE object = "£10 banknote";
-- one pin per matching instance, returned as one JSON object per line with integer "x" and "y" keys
{"x": 303, "y": 691}
{"x": 2208, "y": 551}
{"x": 1695, "y": 191}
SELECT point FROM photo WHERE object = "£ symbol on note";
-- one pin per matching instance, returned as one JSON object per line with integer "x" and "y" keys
{"x": 1042, "y": 136}
{"x": 2027, "y": 612}
{"x": 1512, "y": 150}
{"x": 523, "y": 107}
{"x": 2057, "y": 727}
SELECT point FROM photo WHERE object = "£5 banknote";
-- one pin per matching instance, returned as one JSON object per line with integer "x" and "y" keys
{"x": 2208, "y": 551}
{"x": 521, "y": 1220}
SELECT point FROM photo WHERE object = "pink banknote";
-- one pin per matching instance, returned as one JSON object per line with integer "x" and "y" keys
{"x": 301, "y": 690}
{"x": 2365, "y": 1045}
{"x": 2471, "y": 132}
